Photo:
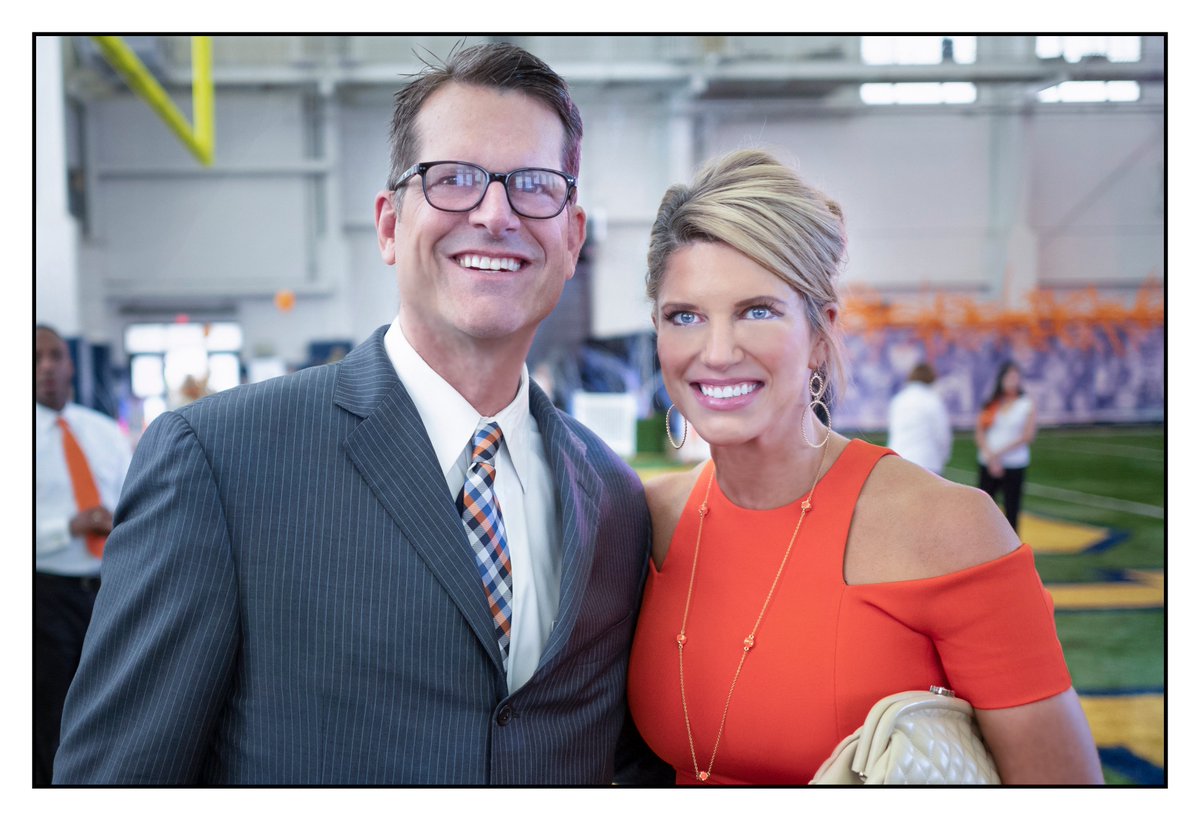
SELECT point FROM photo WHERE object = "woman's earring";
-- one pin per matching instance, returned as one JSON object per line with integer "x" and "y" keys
{"x": 671, "y": 438}
{"x": 816, "y": 388}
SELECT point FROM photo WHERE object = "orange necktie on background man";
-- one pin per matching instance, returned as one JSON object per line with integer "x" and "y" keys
{"x": 86, "y": 494}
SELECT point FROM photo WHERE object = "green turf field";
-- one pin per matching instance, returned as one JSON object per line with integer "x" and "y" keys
{"x": 1108, "y": 584}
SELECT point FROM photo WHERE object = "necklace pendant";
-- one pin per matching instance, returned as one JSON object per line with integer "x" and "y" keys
{"x": 748, "y": 644}
{"x": 703, "y": 776}
{"x": 703, "y": 509}
{"x": 806, "y": 505}
{"x": 681, "y": 640}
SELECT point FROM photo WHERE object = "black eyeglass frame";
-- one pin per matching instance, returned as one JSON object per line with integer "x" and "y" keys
{"x": 492, "y": 176}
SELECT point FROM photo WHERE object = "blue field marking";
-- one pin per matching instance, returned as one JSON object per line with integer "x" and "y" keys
{"x": 1122, "y": 691}
{"x": 1136, "y": 769}
{"x": 1090, "y": 611}
{"x": 1114, "y": 538}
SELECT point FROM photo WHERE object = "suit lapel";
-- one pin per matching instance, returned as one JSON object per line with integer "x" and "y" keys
{"x": 578, "y": 486}
{"x": 392, "y": 451}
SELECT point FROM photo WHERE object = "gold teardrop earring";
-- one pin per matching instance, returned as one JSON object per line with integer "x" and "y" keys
{"x": 816, "y": 389}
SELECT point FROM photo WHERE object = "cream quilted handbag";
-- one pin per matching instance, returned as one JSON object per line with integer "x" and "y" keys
{"x": 913, "y": 737}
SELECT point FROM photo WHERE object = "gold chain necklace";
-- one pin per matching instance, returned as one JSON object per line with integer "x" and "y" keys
{"x": 748, "y": 643}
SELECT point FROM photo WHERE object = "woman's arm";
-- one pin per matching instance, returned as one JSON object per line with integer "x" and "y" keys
{"x": 932, "y": 528}
{"x": 981, "y": 438}
{"x": 1046, "y": 742}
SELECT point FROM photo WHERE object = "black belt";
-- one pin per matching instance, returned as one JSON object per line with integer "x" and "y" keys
{"x": 90, "y": 584}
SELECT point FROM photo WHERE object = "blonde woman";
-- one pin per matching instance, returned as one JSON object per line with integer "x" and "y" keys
{"x": 799, "y": 576}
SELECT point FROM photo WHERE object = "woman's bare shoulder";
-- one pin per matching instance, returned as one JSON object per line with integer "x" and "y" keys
{"x": 666, "y": 495}
{"x": 913, "y": 524}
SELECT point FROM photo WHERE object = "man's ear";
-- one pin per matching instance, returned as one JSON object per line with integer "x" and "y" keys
{"x": 385, "y": 226}
{"x": 576, "y": 234}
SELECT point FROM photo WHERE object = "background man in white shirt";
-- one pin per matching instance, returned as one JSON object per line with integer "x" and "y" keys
{"x": 67, "y": 573}
{"x": 295, "y": 592}
{"x": 918, "y": 425}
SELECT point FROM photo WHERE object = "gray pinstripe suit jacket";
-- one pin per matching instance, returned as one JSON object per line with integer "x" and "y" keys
{"x": 289, "y": 598}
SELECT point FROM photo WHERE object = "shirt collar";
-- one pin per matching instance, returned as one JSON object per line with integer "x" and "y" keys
{"x": 449, "y": 419}
{"x": 48, "y": 417}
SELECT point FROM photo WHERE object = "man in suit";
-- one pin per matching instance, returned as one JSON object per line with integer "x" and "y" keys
{"x": 407, "y": 567}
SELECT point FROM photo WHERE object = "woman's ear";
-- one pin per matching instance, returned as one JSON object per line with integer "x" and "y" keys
{"x": 820, "y": 350}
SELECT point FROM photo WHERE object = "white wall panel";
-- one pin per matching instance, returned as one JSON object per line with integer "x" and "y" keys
{"x": 1098, "y": 198}
{"x": 57, "y": 297}
{"x": 913, "y": 187}
{"x": 221, "y": 236}
{"x": 619, "y": 304}
{"x": 166, "y": 225}
{"x": 251, "y": 127}
{"x": 365, "y": 123}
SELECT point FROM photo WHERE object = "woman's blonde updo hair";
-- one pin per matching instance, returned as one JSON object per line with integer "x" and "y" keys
{"x": 750, "y": 202}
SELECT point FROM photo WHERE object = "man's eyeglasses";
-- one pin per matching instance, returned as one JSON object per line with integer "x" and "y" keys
{"x": 449, "y": 185}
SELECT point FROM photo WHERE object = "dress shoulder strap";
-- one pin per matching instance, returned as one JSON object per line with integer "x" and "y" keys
{"x": 834, "y": 501}
{"x": 696, "y": 495}
{"x": 849, "y": 473}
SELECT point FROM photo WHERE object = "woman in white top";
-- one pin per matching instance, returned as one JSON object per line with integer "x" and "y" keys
{"x": 1006, "y": 426}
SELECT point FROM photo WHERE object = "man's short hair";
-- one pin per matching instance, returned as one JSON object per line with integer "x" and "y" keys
{"x": 489, "y": 65}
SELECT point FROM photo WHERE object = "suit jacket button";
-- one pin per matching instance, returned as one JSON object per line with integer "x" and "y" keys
{"x": 505, "y": 715}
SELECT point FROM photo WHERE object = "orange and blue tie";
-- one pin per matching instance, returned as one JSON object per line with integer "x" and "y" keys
{"x": 481, "y": 517}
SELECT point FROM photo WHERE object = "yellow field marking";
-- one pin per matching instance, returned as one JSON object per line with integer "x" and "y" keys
{"x": 1141, "y": 588}
{"x": 1104, "y": 596}
{"x": 1133, "y": 722}
{"x": 1153, "y": 578}
{"x": 1048, "y": 536}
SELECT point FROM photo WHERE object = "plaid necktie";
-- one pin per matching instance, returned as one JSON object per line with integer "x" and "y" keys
{"x": 87, "y": 495}
{"x": 481, "y": 517}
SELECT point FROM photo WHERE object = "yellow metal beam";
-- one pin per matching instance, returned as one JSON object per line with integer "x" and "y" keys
{"x": 200, "y": 139}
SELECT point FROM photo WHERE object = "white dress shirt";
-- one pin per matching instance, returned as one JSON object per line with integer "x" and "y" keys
{"x": 524, "y": 489}
{"x": 108, "y": 453}
{"x": 919, "y": 427}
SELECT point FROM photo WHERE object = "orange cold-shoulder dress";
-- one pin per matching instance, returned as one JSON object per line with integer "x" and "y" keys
{"x": 825, "y": 651}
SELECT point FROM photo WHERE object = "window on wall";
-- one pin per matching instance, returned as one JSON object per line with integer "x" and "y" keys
{"x": 1091, "y": 91}
{"x": 917, "y": 51}
{"x": 1075, "y": 48}
{"x": 172, "y": 364}
{"x": 916, "y": 93}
